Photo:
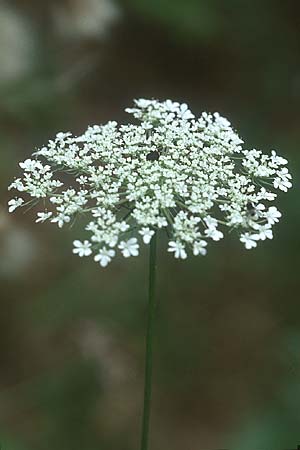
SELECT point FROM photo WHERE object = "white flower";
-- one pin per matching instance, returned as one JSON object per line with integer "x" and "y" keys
{"x": 147, "y": 234}
{"x": 143, "y": 103}
{"x": 199, "y": 248}
{"x": 82, "y": 248}
{"x": 211, "y": 222}
{"x": 29, "y": 165}
{"x": 248, "y": 240}
{"x": 42, "y": 216}
{"x": 14, "y": 203}
{"x": 262, "y": 171}
{"x": 16, "y": 184}
{"x": 282, "y": 183}
{"x": 168, "y": 172}
{"x": 263, "y": 232}
{"x": 214, "y": 234}
{"x": 184, "y": 112}
{"x": 129, "y": 248}
{"x": 104, "y": 256}
{"x": 162, "y": 222}
{"x": 178, "y": 249}
{"x": 277, "y": 160}
{"x": 61, "y": 219}
{"x": 82, "y": 179}
{"x": 272, "y": 215}
{"x": 265, "y": 195}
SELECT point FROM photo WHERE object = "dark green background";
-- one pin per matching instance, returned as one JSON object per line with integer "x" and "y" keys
{"x": 227, "y": 359}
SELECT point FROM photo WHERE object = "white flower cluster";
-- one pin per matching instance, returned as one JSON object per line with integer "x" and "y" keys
{"x": 170, "y": 171}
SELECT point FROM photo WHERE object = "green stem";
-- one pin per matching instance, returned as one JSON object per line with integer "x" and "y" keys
{"x": 149, "y": 344}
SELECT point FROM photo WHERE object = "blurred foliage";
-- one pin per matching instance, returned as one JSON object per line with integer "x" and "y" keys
{"x": 72, "y": 336}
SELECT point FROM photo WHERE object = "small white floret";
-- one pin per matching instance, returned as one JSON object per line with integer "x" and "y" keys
{"x": 42, "y": 216}
{"x": 146, "y": 234}
{"x": 272, "y": 215}
{"x": 129, "y": 248}
{"x": 104, "y": 256}
{"x": 82, "y": 248}
{"x": 263, "y": 232}
{"x": 248, "y": 240}
{"x": 199, "y": 248}
{"x": 14, "y": 203}
{"x": 178, "y": 249}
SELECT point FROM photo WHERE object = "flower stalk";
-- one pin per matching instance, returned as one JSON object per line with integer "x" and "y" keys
{"x": 149, "y": 344}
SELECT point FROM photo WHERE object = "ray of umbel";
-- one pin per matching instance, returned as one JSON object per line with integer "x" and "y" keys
{"x": 169, "y": 171}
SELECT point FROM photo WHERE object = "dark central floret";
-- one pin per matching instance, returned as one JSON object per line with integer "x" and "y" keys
{"x": 152, "y": 156}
